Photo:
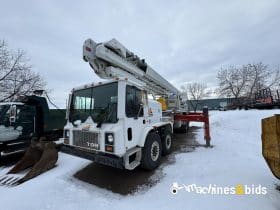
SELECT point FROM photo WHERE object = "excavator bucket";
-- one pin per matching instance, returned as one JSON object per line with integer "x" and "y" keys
{"x": 40, "y": 157}
{"x": 271, "y": 143}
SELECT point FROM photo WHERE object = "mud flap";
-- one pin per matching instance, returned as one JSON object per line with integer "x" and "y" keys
{"x": 40, "y": 157}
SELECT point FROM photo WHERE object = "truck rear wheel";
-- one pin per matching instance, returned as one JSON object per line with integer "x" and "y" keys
{"x": 185, "y": 128}
{"x": 167, "y": 142}
{"x": 151, "y": 152}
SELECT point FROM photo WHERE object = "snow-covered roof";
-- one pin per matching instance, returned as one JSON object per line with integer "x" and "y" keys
{"x": 95, "y": 84}
{"x": 11, "y": 103}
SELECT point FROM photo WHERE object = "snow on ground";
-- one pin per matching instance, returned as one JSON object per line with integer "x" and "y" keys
{"x": 235, "y": 159}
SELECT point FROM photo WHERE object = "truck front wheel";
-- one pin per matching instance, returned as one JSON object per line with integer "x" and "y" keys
{"x": 151, "y": 152}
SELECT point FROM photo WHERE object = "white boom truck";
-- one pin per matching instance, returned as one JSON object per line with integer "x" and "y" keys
{"x": 114, "y": 122}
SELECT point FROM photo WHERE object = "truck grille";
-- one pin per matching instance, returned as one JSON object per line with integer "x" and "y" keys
{"x": 86, "y": 139}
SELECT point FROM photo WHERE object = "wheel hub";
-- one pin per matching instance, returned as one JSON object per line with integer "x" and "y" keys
{"x": 155, "y": 151}
{"x": 168, "y": 141}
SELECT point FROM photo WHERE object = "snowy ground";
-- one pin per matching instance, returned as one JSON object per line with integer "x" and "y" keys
{"x": 235, "y": 159}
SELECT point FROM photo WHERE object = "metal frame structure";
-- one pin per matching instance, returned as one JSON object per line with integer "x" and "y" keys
{"x": 197, "y": 117}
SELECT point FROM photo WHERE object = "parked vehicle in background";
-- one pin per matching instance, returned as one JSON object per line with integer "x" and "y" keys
{"x": 265, "y": 99}
{"x": 223, "y": 106}
{"x": 29, "y": 117}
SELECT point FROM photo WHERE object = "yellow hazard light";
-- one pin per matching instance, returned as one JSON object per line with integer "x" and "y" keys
{"x": 163, "y": 103}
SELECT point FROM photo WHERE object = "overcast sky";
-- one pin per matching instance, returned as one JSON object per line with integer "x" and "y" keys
{"x": 184, "y": 41}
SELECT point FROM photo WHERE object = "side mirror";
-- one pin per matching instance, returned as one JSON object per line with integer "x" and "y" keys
{"x": 68, "y": 106}
{"x": 141, "y": 105}
{"x": 13, "y": 113}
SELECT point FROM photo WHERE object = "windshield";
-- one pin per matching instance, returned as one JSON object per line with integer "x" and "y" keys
{"x": 98, "y": 102}
{"x": 4, "y": 115}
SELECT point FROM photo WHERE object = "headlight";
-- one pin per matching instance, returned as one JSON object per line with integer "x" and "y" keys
{"x": 66, "y": 141}
{"x": 109, "y": 138}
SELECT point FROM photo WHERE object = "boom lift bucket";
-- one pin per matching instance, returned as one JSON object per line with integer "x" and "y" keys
{"x": 40, "y": 157}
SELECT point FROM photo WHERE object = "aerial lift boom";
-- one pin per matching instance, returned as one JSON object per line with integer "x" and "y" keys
{"x": 111, "y": 59}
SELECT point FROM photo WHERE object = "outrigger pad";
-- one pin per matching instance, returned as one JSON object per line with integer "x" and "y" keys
{"x": 41, "y": 156}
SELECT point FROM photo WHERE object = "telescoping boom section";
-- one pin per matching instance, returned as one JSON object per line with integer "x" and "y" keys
{"x": 111, "y": 59}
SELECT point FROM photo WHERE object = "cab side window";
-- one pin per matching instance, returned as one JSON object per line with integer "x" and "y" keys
{"x": 133, "y": 102}
{"x": 25, "y": 113}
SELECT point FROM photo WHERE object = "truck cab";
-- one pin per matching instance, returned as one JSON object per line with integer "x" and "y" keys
{"x": 111, "y": 122}
{"x": 25, "y": 119}
{"x": 16, "y": 122}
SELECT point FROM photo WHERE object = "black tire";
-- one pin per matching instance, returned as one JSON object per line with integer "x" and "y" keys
{"x": 152, "y": 145}
{"x": 167, "y": 142}
{"x": 184, "y": 128}
{"x": 187, "y": 127}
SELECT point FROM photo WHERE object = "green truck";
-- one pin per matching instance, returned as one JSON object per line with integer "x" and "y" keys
{"x": 28, "y": 118}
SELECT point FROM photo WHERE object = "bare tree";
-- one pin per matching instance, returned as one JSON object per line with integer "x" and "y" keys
{"x": 16, "y": 75}
{"x": 195, "y": 92}
{"x": 261, "y": 76}
{"x": 246, "y": 80}
{"x": 233, "y": 81}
